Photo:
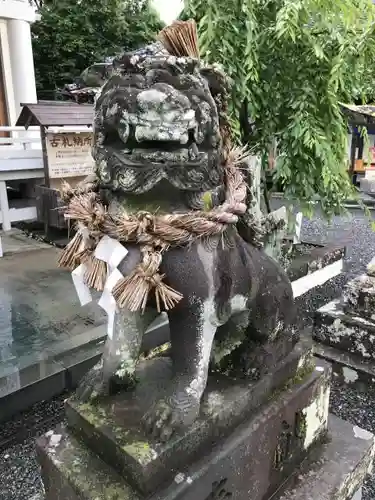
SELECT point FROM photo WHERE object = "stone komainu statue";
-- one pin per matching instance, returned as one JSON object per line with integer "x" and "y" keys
{"x": 171, "y": 190}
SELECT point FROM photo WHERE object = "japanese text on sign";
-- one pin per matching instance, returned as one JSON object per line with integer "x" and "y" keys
{"x": 69, "y": 154}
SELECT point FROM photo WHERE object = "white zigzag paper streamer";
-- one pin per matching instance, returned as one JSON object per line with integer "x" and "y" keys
{"x": 111, "y": 252}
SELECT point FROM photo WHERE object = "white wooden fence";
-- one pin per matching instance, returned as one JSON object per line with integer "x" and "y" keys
{"x": 21, "y": 159}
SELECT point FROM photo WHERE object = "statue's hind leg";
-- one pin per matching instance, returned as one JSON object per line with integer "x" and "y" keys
{"x": 228, "y": 338}
{"x": 269, "y": 337}
{"x": 120, "y": 355}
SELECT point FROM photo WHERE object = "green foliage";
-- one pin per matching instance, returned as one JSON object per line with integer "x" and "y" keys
{"x": 73, "y": 34}
{"x": 292, "y": 62}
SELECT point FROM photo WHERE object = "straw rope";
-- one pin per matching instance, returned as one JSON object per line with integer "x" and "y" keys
{"x": 152, "y": 232}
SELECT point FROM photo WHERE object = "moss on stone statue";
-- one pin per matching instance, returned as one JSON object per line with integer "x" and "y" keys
{"x": 301, "y": 426}
{"x": 141, "y": 451}
{"x": 129, "y": 441}
{"x": 302, "y": 374}
{"x": 160, "y": 350}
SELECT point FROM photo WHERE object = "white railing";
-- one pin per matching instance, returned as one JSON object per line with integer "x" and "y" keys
{"x": 19, "y": 138}
{"x": 21, "y": 158}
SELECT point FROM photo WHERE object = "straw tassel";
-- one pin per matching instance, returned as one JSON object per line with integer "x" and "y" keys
{"x": 96, "y": 273}
{"x": 133, "y": 292}
{"x": 69, "y": 257}
{"x": 181, "y": 39}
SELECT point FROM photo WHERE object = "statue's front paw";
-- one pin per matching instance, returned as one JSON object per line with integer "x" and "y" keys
{"x": 93, "y": 386}
{"x": 174, "y": 412}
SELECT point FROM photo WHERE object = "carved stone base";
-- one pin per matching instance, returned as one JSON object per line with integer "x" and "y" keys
{"x": 253, "y": 461}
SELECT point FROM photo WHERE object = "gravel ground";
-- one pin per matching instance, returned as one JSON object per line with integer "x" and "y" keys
{"x": 19, "y": 474}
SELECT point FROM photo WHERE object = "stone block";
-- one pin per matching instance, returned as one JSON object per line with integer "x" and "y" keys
{"x": 347, "y": 369}
{"x": 253, "y": 461}
{"x": 345, "y": 332}
{"x": 22, "y": 386}
{"x": 312, "y": 258}
{"x": 359, "y": 297}
{"x": 71, "y": 471}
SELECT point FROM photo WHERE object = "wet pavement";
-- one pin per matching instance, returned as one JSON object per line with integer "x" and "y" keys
{"x": 19, "y": 474}
{"x": 40, "y": 316}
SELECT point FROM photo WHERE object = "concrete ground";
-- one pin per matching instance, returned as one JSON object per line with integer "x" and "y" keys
{"x": 16, "y": 241}
{"x": 19, "y": 473}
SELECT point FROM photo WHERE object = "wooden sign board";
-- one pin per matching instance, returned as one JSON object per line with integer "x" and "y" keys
{"x": 359, "y": 166}
{"x": 69, "y": 154}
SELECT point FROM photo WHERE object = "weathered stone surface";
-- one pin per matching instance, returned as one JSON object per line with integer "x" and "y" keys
{"x": 256, "y": 459}
{"x": 314, "y": 258}
{"x": 370, "y": 269}
{"x": 70, "y": 471}
{"x": 112, "y": 428}
{"x": 252, "y": 462}
{"x": 338, "y": 470}
{"x": 347, "y": 368}
{"x": 336, "y": 328}
{"x": 359, "y": 297}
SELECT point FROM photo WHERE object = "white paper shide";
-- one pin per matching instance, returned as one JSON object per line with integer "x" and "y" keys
{"x": 111, "y": 252}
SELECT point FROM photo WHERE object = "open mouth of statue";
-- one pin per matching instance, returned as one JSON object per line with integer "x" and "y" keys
{"x": 168, "y": 146}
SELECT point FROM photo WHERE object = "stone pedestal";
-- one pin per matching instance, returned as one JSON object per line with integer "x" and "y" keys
{"x": 345, "y": 330}
{"x": 248, "y": 442}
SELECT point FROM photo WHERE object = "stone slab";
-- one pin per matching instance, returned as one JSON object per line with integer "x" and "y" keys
{"x": 359, "y": 297}
{"x": 339, "y": 469}
{"x": 348, "y": 333}
{"x": 47, "y": 340}
{"x": 250, "y": 463}
{"x": 347, "y": 369}
{"x": 315, "y": 259}
{"x": 113, "y": 431}
{"x": 317, "y": 278}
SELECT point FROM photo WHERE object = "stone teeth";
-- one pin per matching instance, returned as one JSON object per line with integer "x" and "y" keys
{"x": 151, "y": 134}
{"x": 166, "y": 133}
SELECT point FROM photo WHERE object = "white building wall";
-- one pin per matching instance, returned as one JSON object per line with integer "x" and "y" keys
{"x": 22, "y": 62}
{"x": 16, "y": 17}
